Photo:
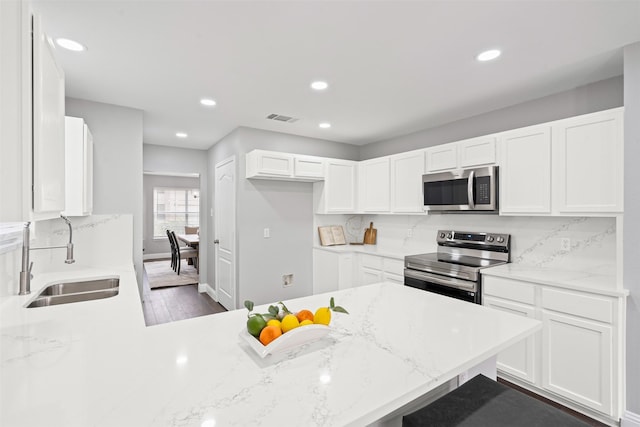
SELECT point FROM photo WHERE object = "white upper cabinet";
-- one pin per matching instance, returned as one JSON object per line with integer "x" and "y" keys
{"x": 406, "y": 182}
{"x": 477, "y": 152}
{"x": 442, "y": 157}
{"x": 48, "y": 126}
{"x": 32, "y": 116}
{"x": 79, "y": 167}
{"x": 263, "y": 164}
{"x": 589, "y": 162}
{"x": 525, "y": 171}
{"x": 338, "y": 192}
{"x": 374, "y": 188}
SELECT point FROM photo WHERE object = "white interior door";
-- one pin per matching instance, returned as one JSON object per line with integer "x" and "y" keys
{"x": 225, "y": 232}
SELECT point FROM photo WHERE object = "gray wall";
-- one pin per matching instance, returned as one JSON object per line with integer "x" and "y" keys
{"x": 159, "y": 158}
{"x": 286, "y": 208}
{"x": 582, "y": 100}
{"x": 631, "y": 268}
{"x": 117, "y": 163}
{"x": 151, "y": 245}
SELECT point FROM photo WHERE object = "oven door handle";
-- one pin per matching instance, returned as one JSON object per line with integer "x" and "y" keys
{"x": 472, "y": 203}
{"x": 441, "y": 280}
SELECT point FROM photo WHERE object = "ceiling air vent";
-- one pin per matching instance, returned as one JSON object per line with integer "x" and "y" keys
{"x": 281, "y": 118}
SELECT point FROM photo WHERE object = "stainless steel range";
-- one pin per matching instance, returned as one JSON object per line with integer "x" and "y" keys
{"x": 454, "y": 270}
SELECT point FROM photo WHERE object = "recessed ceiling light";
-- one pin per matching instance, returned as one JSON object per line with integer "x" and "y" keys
{"x": 207, "y": 102}
{"x": 319, "y": 85}
{"x": 70, "y": 45}
{"x": 488, "y": 55}
{"x": 181, "y": 135}
{"x": 325, "y": 125}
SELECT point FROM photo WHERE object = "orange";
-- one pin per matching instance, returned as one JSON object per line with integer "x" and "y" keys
{"x": 269, "y": 333}
{"x": 322, "y": 316}
{"x": 304, "y": 315}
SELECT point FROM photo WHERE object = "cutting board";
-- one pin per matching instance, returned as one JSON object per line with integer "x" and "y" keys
{"x": 370, "y": 235}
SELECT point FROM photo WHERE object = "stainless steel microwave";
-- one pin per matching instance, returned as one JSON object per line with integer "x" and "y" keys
{"x": 461, "y": 190}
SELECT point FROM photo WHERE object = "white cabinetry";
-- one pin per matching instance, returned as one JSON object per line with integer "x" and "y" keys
{"x": 588, "y": 163}
{"x": 567, "y": 167}
{"x": 577, "y": 359}
{"x": 525, "y": 170}
{"x": 32, "y": 117}
{"x": 374, "y": 188}
{"x": 263, "y": 164}
{"x": 337, "y": 194}
{"x": 331, "y": 271}
{"x": 462, "y": 154}
{"x": 375, "y": 268}
{"x": 79, "y": 167}
{"x": 406, "y": 182}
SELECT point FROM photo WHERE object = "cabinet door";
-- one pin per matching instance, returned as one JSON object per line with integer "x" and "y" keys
{"x": 370, "y": 276}
{"x": 374, "y": 186}
{"x": 48, "y": 127}
{"x": 273, "y": 163}
{"x": 589, "y": 163}
{"x": 406, "y": 182}
{"x": 308, "y": 167}
{"x": 345, "y": 271}
{"x": 477, "y": 151}
{"x": 325, "y": 271}
{"x": 88, "y": 171}
{"x": 577, "y": 360}
{"x": 442, "y": 157}
{"x": 519, "y": 360}
{"x": 340, "y": 186}
{"x": 525, "y": 171}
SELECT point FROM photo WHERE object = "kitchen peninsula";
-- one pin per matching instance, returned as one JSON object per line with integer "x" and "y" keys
{"x": 95, "y": 363}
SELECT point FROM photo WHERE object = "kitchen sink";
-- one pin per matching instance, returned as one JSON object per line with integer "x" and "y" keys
{"x": 70, "y": 292}
{"x": 80, "y": 286}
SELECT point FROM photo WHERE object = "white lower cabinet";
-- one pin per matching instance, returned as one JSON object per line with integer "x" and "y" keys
{"x": 377, "y": 268}
{"x": 577, "y": 358}
{"x": 332, "y": 271}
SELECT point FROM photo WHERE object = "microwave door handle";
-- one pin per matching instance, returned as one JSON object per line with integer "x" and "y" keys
{"x": 472, "y": 203}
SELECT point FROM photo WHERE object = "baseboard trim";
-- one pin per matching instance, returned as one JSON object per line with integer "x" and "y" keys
{"x": 147, "y": 257}
{"x": 205, "y": 288}
{"x": 630, "y": 419}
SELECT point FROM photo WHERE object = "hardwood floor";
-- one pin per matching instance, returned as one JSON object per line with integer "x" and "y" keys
{"x": 170, "y": 304}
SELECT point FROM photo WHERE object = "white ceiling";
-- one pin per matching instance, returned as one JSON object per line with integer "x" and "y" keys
{"x": 394, "y": 67}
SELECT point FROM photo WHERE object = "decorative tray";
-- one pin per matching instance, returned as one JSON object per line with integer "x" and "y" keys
{"x": 294, "y": 338}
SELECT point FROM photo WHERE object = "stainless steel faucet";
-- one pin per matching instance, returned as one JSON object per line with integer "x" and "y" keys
{"x": 25, "y": 274}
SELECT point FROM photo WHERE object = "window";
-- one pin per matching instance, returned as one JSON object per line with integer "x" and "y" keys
{"x": 175, "y": 208}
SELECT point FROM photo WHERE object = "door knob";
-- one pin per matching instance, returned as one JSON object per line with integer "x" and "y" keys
{"x": 215, "y": 242}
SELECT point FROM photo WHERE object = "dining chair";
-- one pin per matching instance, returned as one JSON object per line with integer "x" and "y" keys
{"x": 173, "y": 250}
{"x": 191, "y": 230}
{"x": 185, "y": 252}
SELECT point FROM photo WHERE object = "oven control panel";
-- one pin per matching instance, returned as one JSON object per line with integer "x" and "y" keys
{"x": 474, "y": 238}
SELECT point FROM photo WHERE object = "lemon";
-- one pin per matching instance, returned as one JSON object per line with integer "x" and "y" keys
{"x": 289, "y": 322}
{"x": 273, "y": 322}
{"x": 322, "y": 316}
{"x": 306, "y": 322}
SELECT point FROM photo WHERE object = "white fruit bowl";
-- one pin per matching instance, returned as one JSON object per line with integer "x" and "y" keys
{"x": 294, "y": 338}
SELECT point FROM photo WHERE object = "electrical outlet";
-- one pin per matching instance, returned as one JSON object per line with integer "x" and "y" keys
{"x": 267, "y": 233}
{"x": 565, "y": 244}
{"x": 287, "y": 280}
{"x": 409, "y": 232}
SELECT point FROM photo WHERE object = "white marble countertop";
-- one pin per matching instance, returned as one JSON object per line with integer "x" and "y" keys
{"x": 96, "y": 364}
{"x": 577, "y": 280}
{"x": 364, "y": 249}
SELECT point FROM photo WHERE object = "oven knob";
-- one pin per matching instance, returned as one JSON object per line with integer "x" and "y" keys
{"x": 500, "y": 239}
{"x": 442, "y": 235}
{"x": 449, "y": 236}
{"x": 489, "y": 238}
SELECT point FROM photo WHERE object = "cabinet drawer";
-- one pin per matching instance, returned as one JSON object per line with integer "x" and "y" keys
{"x": 587, "y": 306}
{"x": 394, "y": 266}
{"x": 509, "y": 289}
{"x": 371, "y": 261}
